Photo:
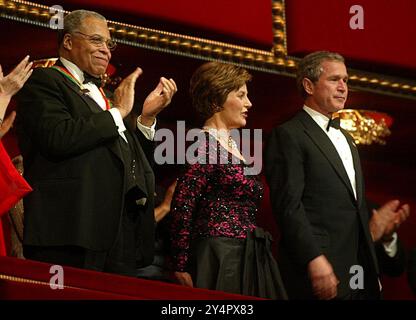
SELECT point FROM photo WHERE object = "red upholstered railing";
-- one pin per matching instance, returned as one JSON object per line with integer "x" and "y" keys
{"x": 26, "y": 279}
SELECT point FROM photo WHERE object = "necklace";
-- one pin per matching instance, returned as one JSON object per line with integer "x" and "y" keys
{"x": 222, "y": 135}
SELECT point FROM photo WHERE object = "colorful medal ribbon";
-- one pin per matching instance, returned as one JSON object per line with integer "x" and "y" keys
{"x": 65, "y": 72}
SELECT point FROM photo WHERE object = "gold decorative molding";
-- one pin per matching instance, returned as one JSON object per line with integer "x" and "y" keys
{"x": 274, "y": 61}
{"x": 44, "y": 63}
{"x": 358, "y": 79}
{"x": 165, "y": 41}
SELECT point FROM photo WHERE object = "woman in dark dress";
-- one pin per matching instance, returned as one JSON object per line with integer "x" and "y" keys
{"x": 215, "y": 243}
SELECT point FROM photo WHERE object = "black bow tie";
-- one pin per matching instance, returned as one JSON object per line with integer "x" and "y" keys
{"x": 89, "y": 78}
{"x": 334, "y": 123}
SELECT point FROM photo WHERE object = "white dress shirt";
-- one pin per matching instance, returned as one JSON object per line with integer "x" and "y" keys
{"x": 340, "y": 143}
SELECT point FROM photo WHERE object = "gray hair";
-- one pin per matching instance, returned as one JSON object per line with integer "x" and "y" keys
{"x": 310, "y": 67}
{"x": 74, "y": 20}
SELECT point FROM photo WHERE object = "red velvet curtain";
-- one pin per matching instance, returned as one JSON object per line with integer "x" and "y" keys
{"x": 386, "y": 38}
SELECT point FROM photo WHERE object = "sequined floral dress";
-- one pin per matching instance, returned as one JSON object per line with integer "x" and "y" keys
{"x": 212, "y": 199}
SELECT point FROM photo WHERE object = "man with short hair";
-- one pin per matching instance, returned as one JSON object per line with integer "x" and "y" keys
{"x": 317, "y": 193}
{"x": 92, "y": 202}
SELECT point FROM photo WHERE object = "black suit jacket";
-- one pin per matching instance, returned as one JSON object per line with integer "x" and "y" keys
{"x": 314, "y": 204}
{"x": 73, "y": 161}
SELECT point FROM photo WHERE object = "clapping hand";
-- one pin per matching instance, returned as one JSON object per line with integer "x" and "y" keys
{"x": 9, "y": 85}
{"x": 157, "y": 100}
{"x": 387, "y": 219}
{"x": 124, "y": 94}
{"x": 15, "y": 80}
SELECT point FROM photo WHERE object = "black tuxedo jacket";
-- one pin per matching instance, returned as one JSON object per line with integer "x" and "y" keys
{"x": 314, "y": 204}
{"x": 73, "y": 161}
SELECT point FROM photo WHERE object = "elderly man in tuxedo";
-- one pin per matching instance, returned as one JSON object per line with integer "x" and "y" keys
{"x": 92, "y": 203}
{"x": 317, "y": 193}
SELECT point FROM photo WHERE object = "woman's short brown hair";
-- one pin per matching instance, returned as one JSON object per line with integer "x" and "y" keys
{"x": 212, "y": 82}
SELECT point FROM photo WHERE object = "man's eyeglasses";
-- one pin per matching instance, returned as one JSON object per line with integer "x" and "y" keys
{"x": 99, "y": 41}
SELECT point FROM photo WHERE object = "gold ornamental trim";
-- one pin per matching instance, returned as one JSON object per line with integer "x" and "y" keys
{"x": 16, "y": 279}
{"x": 160, "y": 40}
{"x": 10, "y": 278}
{"x": 274, "y": 61}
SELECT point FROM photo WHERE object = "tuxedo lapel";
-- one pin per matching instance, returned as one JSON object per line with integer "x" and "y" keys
{"x": 357, "y": 167}
{"x": 324, "y": 144}
{"x": 92, "y": 105}
{"x": 145, "y": 180}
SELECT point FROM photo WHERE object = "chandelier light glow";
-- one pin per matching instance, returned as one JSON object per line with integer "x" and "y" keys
{"x": 366, "y": 126}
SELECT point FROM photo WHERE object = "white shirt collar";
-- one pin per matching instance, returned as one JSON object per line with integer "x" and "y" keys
{"x": 73, "y": 69}
{"x": 318, "y": 117}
